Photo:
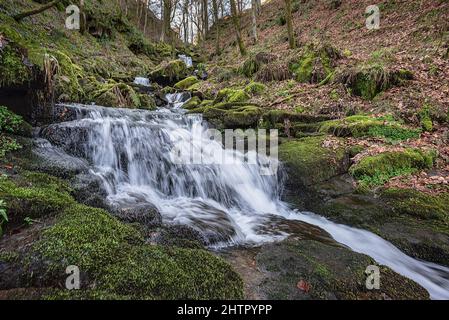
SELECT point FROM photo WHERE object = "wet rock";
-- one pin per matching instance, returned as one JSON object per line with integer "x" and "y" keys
{"x": 69, "y": 137}
{"x": 144, "y": 214}
{"x": 88, "y": 189}
{"x": 55, "y": 161}
{"x": 307, "y": 269}
{"x": 178, "y": 235}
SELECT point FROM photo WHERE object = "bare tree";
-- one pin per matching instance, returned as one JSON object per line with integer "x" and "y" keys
{"x": 254, "y": 20}
{"x": 236, "y": 21}
{"x": 288, "y": 18}
{"x": 217, "y": 27}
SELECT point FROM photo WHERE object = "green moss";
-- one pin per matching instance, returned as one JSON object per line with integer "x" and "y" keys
{"x": 255, "y": 88}
{"x": 309, "y": 162}
{"x": 417, "y": 204}
{"x": 174, "y": 70}
{"x": 250, "y": 67}
{"x": 365, "y": 126}
{"x": 315, "y": 63}
{"x": 36, "y": 196}
{"x": 13, "y": 70}
{"x": 377, "y": 169}
{"x": 227, "y": 116}
{"x": 146, "y": 102}
{"x": 186, "y": 83}
{"x": 193, "y": 103}
{"x": 114, "y": 256}
{"x": 370, "y": 79}
{"x": 425, "y": 118}
{"x": 117, "y": 94}
{"x": 231, "y": 95}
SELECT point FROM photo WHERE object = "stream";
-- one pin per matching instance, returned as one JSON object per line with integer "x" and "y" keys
{"x": 131, "y": 152}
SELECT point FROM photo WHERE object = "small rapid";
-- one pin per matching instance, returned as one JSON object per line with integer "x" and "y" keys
{"x": 131, "y": 151}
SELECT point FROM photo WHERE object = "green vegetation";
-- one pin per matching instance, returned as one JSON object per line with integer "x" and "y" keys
{"x": 378, "y": 169}
{"x": 10, "y": 123}
{"x": 308, "y": 155}
{"x": 255, "y": 88}
{"x": 231, "y": 95}
{"x": 368, "y": 80}
{"x": 418, "y": 204}
{"x": 366, "y": 126}
{"x": 186, "y": 83}
{"x": 425, "y": 118}
{"x": 115, "y": 255}
{"x": 3, "y": 216}
{"x": 315, "y": 63}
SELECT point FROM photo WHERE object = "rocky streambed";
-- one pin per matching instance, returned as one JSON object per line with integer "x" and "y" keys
{"x": 99, "y": 190}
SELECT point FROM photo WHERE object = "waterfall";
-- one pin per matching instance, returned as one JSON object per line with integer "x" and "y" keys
{"x": 130, "y": 150}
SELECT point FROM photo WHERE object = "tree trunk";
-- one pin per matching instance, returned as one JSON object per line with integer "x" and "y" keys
{"x": 217, "y": 27}
{"x": 25, "y": 14}
{"x": 254, "y": 20}
{"x": 146, "y": 16}
{"x": 288, "y": 18}
{"x": 259, "y": 6}
{"x": 83, "y": 19}
{"x": 166, "y": 20}
{"x": 236, "y": 21}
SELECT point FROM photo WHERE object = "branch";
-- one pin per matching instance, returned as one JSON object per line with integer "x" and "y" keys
{"x": 20, "y": 16}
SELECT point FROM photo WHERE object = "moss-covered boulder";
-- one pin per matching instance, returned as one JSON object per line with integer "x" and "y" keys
{"x": 418, "y": 204}
{"x": 192, "y": 103}
{"x": 315, "y": 63}
{"x": 169, "y": 72}
{"x": 114, "y": 257}
{"x": 366, "y": 126}
{"x": 186, "y": 83}
{"x": 225, "y": 116}
{"x": 308, "y": 269}
{"x": 368, "y": 80}
{"x": 309, "y": 161}
{"x": 255, "y": 88}
{"x": 33, "y": 195}
{"x": 231, "y": 96}
{"x": 146, "y": 102}
{"x": 379, "y": 168}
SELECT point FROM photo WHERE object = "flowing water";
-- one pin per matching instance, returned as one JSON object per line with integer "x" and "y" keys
{"x": 132, "y": 152}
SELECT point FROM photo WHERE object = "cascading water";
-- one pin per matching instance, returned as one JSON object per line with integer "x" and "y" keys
{"x": 131, "y": 151}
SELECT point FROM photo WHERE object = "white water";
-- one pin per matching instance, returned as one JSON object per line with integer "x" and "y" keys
{"x": 229, "y": 204}
{"x": 142, "y": 81}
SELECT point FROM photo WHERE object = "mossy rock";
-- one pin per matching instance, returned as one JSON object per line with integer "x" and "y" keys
{"x": 228, "y": 116}
{"x": 255, "y": 88}
{"x": 418, "y": 204}
{"x": 310, "y": 270}
{"x": 193, "y": 103}
{"x": 34, "y": 195}
{"x": 231, "y": 96}
{"x": 13, "y": 69}
{"x": 169, "y": 72}
{"x": 366, "y": 126}
{"x": 309, "y": 162}
{"x": 378, "y": 169}
{"x": 116, "y": 94}
{"x": 368, "y": 80}
{"x": 147, "y": 102}
{"x": 186, "y": 83}
{"x": 113, "y": 256}
{"x": 315, "y": 63}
